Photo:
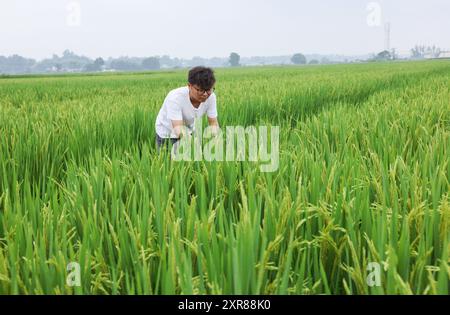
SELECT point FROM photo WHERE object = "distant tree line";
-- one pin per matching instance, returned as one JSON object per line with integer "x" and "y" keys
{"x": 70, "y": 62}
{"x": 16, "y": 64}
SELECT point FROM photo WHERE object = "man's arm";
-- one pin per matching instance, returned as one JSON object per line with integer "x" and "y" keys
{"x": 212, "y": 112}
{"x": 175, "y": 115}
{"x": 178, "y": 128}
{"x": 214, "y": 124}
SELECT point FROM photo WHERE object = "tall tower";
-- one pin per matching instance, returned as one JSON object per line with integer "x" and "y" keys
{"x": 387, "y": 36}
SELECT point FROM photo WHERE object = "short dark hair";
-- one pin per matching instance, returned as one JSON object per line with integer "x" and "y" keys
{"x": 202, "y": 77}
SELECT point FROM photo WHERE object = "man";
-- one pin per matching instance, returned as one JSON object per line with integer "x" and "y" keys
{"x": 184, "y": 105}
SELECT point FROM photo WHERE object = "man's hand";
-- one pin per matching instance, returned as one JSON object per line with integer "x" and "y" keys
{"x": 214, "y": 124}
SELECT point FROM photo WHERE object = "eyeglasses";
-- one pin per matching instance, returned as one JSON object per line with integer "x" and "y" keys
{"x": 209, "y": 92}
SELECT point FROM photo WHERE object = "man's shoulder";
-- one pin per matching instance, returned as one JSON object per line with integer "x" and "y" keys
{"x": 212, "y": 99}
{"x": 178, "y": 93}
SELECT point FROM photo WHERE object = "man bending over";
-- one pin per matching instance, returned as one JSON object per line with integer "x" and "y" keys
{"x": 184, "y": 105}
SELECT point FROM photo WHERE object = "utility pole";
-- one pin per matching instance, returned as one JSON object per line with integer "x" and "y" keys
{"x": 387, "y": 36}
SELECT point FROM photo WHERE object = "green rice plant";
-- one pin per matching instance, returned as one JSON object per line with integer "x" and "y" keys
{"x": 363, "y": 178}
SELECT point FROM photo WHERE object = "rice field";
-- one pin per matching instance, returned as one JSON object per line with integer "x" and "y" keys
{"x": 363, "y": 179}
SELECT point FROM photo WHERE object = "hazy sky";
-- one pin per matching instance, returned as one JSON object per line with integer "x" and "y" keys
{"x": 208, "y": 28}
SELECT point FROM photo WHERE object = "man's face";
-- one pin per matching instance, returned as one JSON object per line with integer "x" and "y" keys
{"x": 199, "y": 94}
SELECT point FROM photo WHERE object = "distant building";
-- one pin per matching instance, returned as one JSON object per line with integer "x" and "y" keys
{"x": 444, "y": 54}
{"x": 441, "y": 55}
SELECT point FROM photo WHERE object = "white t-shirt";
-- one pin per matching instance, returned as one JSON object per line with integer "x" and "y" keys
{"x": 178, "y": 106}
